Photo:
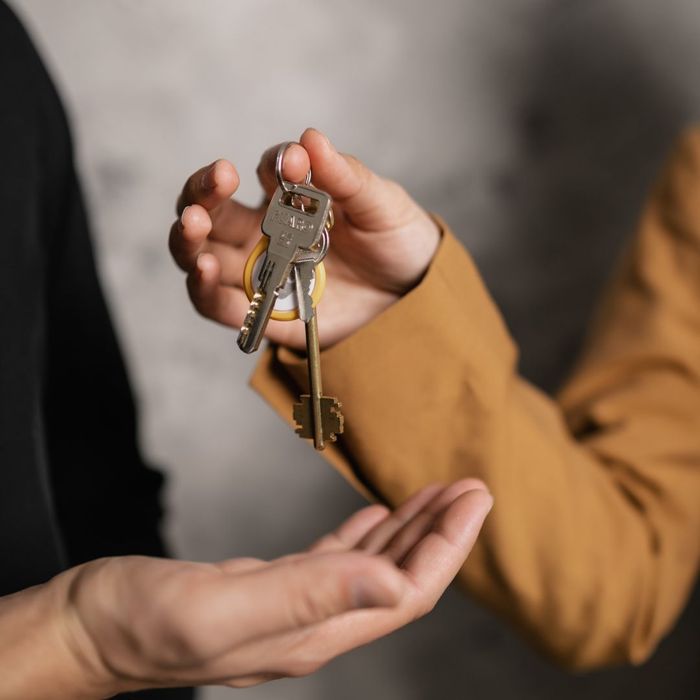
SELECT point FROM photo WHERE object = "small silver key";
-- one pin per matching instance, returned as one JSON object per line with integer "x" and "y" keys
{"x": 304, "y": 280}
{"x": 292, "y": 231}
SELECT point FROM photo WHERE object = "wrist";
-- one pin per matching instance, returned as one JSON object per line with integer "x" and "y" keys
{"x": 424, "y": 236}
{"x": 82, "y": 660}
{"x": 38, "y": 652}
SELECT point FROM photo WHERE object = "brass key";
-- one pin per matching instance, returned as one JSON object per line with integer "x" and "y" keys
{"x": 317, "y": 416}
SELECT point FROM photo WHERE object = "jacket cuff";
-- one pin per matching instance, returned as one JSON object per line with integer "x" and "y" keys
{"x": 383, "y": 373}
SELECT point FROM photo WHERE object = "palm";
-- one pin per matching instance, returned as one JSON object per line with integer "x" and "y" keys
{"x": 243, "y": 621}
{"x": 363, "y": 279}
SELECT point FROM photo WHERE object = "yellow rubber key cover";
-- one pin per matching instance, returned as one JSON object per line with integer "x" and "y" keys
{"x": 285, "y": 307}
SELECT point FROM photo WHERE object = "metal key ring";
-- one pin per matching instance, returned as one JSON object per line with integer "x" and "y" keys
{"x": 316, "y": 256}
{"x": 278, "y": 167}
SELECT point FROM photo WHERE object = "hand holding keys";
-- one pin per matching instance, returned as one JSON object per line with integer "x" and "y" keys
{"x": 383, "y": 243}
{"x": 297, "y": 225}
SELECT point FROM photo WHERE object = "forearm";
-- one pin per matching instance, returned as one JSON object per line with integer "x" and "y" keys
{"x": 44, "y": 653}
{"x": 591, "y": 551}
{"x": 584, "y": 526}
{"x": 565, "y": 555}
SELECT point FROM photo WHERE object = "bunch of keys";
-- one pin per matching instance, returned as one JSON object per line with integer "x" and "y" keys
{"x": 284, "y": 279}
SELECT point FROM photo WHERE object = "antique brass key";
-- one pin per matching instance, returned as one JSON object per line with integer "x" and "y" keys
{"x": 317, "y": 416}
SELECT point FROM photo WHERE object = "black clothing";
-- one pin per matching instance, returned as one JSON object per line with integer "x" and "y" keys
{"x": 73, "y": 485}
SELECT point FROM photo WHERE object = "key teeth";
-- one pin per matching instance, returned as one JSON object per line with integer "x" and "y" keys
{"x": 250, "y": 317}
{"x": 332, "y": 418}
{"x": 252, "y": 314}
{"x": 335, "y": 410}
{"x": 298, "y": 416}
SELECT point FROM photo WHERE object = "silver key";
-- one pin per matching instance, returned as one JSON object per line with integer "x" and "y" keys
{"x": 305, "y": 273}
{"x": 304, "y": 280}
{"x": 292, "y": 231}
{"x": 287, "y": 225}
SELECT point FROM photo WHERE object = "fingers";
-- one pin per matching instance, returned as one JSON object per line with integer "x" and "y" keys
{"x": 423, "y": 522}
{"x": 448, "y": 543}
{"x": 295, "y": 166}
{"x": 375, "y": 540}
{"x": 206, "y": 213}
{"x": 188, "y": 235}
{"x": 214, "y": 299}
{"x": 352, "y": 531}
{"x": 209, "y": 186}
{"x": 369, "y": 201}
{"x": 224, "y": 304}
{"x": 231, "y": 226}
{"x": 376, "y": 530}
{"x": 429, "y": 566}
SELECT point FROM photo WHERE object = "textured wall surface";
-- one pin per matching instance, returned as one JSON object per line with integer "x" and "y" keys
{"x": 534, "y": 127}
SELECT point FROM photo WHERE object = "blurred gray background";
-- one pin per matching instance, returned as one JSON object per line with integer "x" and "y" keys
{"x": 534, "y": 126}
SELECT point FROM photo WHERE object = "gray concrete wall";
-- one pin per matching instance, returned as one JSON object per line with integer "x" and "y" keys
{"x": 534, "y": 127}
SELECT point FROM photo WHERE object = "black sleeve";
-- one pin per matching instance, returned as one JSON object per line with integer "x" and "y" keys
{"x": 72, "y": 481}
{"x": 106, "y": 498}
{"x": 73, "y": 485}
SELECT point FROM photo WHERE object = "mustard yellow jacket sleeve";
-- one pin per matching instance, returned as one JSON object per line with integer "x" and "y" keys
{"x": 594, "y": 540}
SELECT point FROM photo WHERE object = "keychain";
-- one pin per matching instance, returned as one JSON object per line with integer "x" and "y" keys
{"x": 284, "y": 279}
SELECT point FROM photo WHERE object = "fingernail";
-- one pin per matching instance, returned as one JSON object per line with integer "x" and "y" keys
{"x": 484, "y": 489}
{"x": 199, "y": 266}
{"x": 323, "y": 136}
{"x": 182, "y": 216}
{"x": 208, "y": 181}
{"x": 368, "y": 593}
{"x": 487, "y": 503}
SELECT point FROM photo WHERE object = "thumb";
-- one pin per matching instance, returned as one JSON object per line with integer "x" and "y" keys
{"x": 368, "y": 200}
{"x": 296, "y": 593}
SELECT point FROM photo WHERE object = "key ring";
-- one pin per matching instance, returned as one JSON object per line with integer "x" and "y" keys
{"x": 318, "y": 254}
{"x": 278, "y": 167}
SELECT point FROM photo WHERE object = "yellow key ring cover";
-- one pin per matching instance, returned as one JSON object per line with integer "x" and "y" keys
{"x": 277, "y": 314}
